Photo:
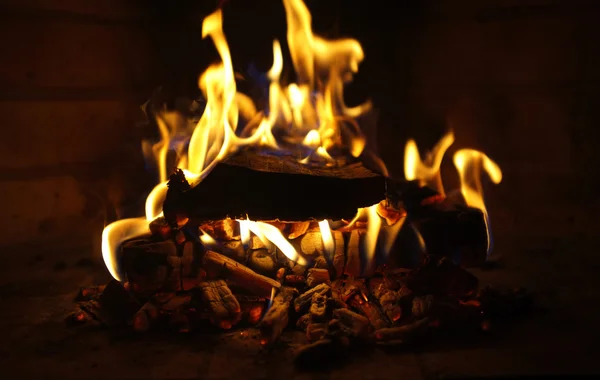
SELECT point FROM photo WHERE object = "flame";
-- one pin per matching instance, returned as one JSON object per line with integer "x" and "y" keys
{"x": 328, "y": 242}
{"x": 310, "y": 114}
{"x": 469, "y": 163}
{"x": 373, "y": 228}
{"x": 271, "y": 234}
{"x": 427, "y": 171}
{"x": 116, "y": 233}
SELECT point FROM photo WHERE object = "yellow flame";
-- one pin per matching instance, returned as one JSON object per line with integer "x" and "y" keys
{"x": 373, "y": 228}
{"x": 271, "y": 234}
{"x": 427, "y": 171}
{"x": 116, "y": 233}
{"x": 310, "y": 113}
{"x": 469, "y": 164}
{"x": 327, "y": 237}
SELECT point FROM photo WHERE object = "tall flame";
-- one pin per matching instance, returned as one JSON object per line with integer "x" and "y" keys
{"x": 469, "y": 164}
{"x": 426, "y": 171}
{"x": 310, "y": 114}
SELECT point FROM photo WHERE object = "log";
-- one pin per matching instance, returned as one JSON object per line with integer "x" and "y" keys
{"x": 317, "y": 276}
{"x": 305, "y": 298}
{"x": 218, "y": 265}
{"x": 224, "y": 308}
{"x": 276, "y": 318}
{"x": 341, "y": 192}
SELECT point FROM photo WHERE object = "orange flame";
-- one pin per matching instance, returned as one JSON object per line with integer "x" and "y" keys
{"x": 469, "y": 163}
{"x": 427, "y": 171}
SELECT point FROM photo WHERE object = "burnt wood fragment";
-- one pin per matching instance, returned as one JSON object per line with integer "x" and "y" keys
{"x": 276, "y": 319}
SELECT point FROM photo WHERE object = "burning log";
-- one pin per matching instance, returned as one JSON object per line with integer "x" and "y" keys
{"x": 317, "y": 276}
{"x": 345, "y": 189}
{"x": 218, "y": 265}
{"x": 353, "y": 265}
{"x": 305, "y": 298}
{"x": 224, "y": 308}
{"x": 151, "y": 312}
{"x": 160, "y": 229}
{"x": 276, "y": 319}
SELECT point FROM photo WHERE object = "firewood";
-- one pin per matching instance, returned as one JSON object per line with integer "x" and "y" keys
{"x": 352, "y": 323}
{"x": 302, "y": 301}
{"x": 146, "y": 264}
{"x": 349, "y": 288}
{"x": 318, "y": 307}
{"x": 298, "y": 229}
{"x": 224, "y": 229}
{"x": 218, "y": 265}
{"x": 317, "y": 276}
{"x": 224, "y": 308}
{"x": 316, "y": 331}
{"x": 387, "y": 298}
{"x": 344, "y": 190}
{"x": 339, "y": 255}
{"x": 311, "y": 244}
{"x": 295, "y": 280}
{"x": 389, "y": 213}
{"x": 160, "y": 229}
{"x": 402, "y": 333}
{"x": 373, "y": 313}
{"x": 262, "y": 262}
{"x": 150, "y": 313}
{"x": 320, "y": 262}
{"x": 276, "y": 318}
{"x": 459, "y": 233}
{"x": 353, "y": 265}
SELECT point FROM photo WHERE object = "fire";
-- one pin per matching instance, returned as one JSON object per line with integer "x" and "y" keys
{"x": 469, "y": 164}
{"x": 427, "y": 171}
{"x": 327, "y": 237}
{"x": 307, "y": 120}
{"x": 268, "y": 233}
{"x": 311, "y": 113}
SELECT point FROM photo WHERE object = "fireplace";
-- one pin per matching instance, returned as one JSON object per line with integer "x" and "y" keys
{"x": 464, "y": 75}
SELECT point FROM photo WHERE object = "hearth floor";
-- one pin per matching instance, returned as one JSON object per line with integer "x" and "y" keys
{"x": 37, "y": 291}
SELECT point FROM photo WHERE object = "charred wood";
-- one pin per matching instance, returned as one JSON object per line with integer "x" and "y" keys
{"x": 224, "y": 308}
{"x": 305, "y": 299}
{"x": 220, "y": 266}
{"x": 218, "y": 196}
{"x": 276, "y": 318}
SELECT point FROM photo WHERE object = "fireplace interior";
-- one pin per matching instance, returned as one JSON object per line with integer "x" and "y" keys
{"x": 514, "y": 79}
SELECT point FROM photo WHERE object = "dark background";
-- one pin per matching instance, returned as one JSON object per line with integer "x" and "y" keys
{"x": 518, "y": 80}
